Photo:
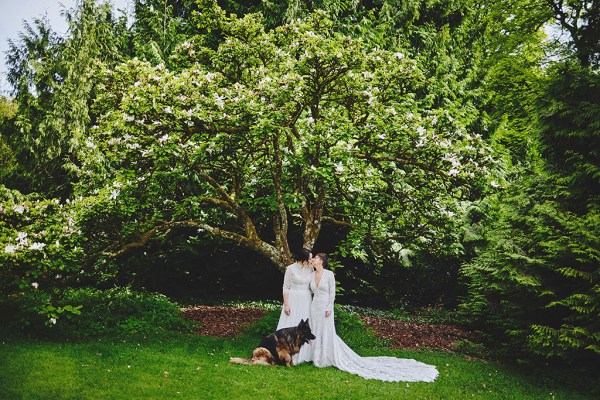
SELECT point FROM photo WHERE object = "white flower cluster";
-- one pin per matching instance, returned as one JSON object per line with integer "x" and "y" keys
{"x": 23, "y": 242}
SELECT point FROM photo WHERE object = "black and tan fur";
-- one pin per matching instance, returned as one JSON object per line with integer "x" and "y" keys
{"x": 279, "y": 347}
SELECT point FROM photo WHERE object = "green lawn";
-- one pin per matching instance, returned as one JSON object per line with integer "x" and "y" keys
{"x": 192, "y": 367}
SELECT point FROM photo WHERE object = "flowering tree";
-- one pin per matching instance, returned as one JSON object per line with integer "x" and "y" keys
{"x": 42, "y": 249}
{"x": 264, "y": 129}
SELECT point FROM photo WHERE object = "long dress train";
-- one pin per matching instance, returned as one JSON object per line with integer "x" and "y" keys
{"x": 330, "y": 350}
{"x": 295, "y": 284}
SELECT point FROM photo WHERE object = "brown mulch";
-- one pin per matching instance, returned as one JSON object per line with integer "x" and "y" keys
{"x": 416, "y": 335}
{"x": 225, "y": 322}
{"x": 228, "y": 322}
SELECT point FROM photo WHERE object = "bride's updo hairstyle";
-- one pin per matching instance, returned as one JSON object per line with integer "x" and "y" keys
{"x": 323, "y": 258}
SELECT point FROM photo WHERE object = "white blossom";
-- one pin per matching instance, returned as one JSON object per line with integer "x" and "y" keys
{"x": 37, "y": 246}
{"x": 10, "y": 248}
{"x": 53, "y": 320}
{"x": 164, "y": 138}
{"x": 35, "y": 285}
{"x": 20, "y": 209}
{"x": 445, "y": 143}
{"x": 219, "y": 101}
{"x": 22, "y": 238}
{"x": 495, "y": 184}
{"x": 128, "y": 118}
{"x": 339, "y": 168}
{"x": 113, "y": 194}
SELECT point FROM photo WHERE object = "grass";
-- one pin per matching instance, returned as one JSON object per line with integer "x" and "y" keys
{"x": 191, "y": 367}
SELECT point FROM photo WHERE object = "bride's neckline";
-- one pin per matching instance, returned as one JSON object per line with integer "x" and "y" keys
{"x": 320, "y": 276}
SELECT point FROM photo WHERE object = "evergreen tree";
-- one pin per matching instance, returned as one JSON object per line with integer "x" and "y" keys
{"x": 53, "y": 87}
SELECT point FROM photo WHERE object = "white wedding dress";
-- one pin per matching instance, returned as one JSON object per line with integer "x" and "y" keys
{"x": 330, "y": 350}
{"x": 295, "y": 284}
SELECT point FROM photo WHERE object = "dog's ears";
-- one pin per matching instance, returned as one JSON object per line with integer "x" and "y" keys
{"x": 303, "y": 321}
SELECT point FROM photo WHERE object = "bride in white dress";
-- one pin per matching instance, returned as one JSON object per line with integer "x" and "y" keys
{"x": 329, "y": 350}
{"x": 297, "y": 299}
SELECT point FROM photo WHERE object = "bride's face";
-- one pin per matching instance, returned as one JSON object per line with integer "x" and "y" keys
{"x": 317, "y": 262}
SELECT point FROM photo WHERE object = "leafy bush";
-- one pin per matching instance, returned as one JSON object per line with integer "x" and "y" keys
{"x": 469, "y": 348}
{"x": 353, "y": 331}
{"x": 267, "y": 323}
{"x": 117, "y": 311}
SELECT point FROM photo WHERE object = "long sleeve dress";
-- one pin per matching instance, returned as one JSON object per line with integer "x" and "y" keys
{"x": 295, "y": 285}
{"x": 330, "y": 350}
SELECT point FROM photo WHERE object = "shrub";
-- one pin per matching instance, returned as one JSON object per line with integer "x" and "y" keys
{"x": 116, "y": 311}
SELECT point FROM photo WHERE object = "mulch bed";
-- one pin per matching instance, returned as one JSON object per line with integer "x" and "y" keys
{"x": 416, "y": 335}
{"x": 228, "y": 322}
{"x": 224, "y": 322}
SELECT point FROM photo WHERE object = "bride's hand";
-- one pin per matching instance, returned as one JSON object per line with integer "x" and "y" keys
{"x": 287, "y": 310}
{"x": 327, "y": 313}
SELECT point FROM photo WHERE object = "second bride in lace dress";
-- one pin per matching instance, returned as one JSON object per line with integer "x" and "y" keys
{"x": 329, "y": 350}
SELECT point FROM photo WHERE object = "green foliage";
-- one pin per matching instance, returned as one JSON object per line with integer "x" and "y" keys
{"x": 533, "y": 281}
{"x": 41, "y": 252}
{"x": 120, "y": 311}
{"x": 8, "y": 110}
{"x": 116, "y": 311}
{"x": 568, "y": 107}
{"x": 535, "y": 284}
{"x": 353, "y": 331}
{"x": 472, "y": 349}
{"x": 52, "y": 88}
{"x": 270, "y": 126}
{"x": 159, "y": 27}
{"x": 267, "y": 324}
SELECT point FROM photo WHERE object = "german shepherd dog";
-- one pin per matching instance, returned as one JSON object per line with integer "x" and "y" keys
{"x": 279, "y": 347}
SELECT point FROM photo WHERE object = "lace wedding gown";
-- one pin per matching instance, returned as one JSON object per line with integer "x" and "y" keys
{"x": 295, "y": 284}
{"x": 330, "y": 350}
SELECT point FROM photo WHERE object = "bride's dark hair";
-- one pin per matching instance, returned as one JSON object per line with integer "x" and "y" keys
{"x": 323, "y": 258}
{"x": 302, "y": 255}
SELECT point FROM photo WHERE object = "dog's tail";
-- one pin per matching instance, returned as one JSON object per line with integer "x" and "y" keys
{"x": 238, "y": 360}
